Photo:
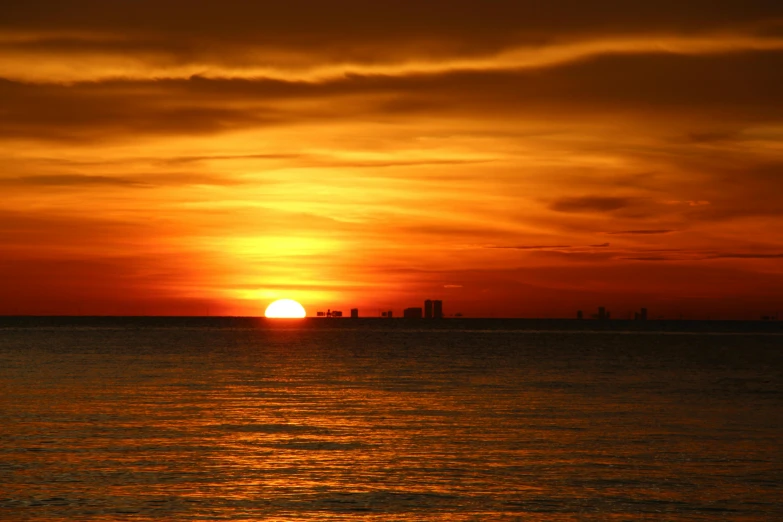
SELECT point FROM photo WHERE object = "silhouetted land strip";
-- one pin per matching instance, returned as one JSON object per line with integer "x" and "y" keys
{"x": 575, "y": 325}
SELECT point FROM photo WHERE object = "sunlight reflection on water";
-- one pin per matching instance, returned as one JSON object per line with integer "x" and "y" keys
{"x": 308, "y": 424}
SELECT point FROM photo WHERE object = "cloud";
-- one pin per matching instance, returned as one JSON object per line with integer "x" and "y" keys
{"x": 640, "y": 232}
{"x": 744, "y": 256}
{"x": 387, "y": 21}
{"x": 749, "y": 190}
{"x": 576, "y": 255}
{"x": 64, "y": 235}
{"x": 606, "y": 253}
{"x": 154, "y": 39}
{"x": 700, "y": 255}
{"x": 652, "y": 258}
{"x": 154, "y": 180}
{"x": 71, "y": 180}
{"x": 410, "y": 134}
{"x": 590, "y": 204}
{"x": 227, "y": 157}
{"x": 532, "y": 247}
{"x": 568, "y": 251}
{"x": 659, "y": 86}
{"x": 713, "y": 136}
{"x": 690, "y": 203}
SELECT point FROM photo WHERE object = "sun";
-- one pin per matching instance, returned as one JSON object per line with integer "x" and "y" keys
{"x": 285, "y": 308}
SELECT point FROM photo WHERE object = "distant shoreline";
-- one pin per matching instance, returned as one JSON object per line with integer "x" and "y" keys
{"x": 461, "y": 323}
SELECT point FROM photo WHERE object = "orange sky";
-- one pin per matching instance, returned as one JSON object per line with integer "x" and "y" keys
{"x": 511, "y": 158}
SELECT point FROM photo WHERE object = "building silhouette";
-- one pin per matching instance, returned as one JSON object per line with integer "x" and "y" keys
{"x": 437, "y": 311}
{"x": 428, "y": 309}
{"x": 413, "y": 313}
{"x": 602, "y": 314}
{"x": 641, "y": 315}
{"x": 579, "y": 314}
{"x": 354, "y": 313}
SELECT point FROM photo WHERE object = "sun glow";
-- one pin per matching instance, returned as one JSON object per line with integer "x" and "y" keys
{"x": 285, "y": 309}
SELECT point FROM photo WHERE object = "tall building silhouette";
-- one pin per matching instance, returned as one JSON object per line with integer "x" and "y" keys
{"x": 354, "y": 313}
{"x": 437, "y": 309}
{"x": 428, "y": 309}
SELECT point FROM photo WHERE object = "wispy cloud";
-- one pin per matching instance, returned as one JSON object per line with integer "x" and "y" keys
{"x": 646, "y": 232}
{"x": 727, "y": 255}
{"x": 305, "y": 41}
{"x": 71, "y": 180}
{"x": 367, "y": 149}
{"x": 532, "y": 247}
{"x": 590, "y": 204}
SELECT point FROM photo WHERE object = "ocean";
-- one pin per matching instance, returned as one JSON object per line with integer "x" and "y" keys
{"x": 340, "y": 419}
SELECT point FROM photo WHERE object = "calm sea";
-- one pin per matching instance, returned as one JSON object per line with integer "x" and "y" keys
{"x": 174, "y": 419}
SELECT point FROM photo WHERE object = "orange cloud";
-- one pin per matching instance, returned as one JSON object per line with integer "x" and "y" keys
{"x": 372, "y": 156}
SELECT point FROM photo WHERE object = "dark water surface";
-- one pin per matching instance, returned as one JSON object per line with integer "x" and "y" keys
{"x": 254, "y": 420}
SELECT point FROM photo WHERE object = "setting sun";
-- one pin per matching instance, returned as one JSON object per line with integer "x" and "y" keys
{"x": 285, "y": 309}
